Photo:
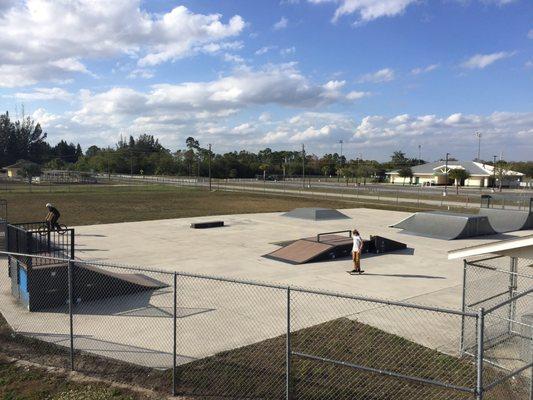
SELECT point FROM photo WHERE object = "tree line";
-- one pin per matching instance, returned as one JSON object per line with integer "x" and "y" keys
{"x": 24, "y": 139}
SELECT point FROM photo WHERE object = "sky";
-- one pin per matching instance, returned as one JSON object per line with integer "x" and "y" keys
{"x": 378, "y": 75}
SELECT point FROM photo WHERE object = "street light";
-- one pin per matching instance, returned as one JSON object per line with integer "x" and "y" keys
{"x": 494, "y": 172}
{"x": 478, "y": 134}
{"x": 446, "y": 172}
{"x": 209, "y": 167}
{"x": 303, "y": 165}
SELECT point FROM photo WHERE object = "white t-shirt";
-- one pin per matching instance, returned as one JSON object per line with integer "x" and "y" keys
{"x": 357, "y": 242}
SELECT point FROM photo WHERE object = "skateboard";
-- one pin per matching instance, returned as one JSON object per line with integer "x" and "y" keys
{"x": 355, "y": 273}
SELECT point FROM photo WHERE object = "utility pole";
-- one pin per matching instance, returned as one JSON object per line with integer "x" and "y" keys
{"x": 478, "y": 134}
{"x": 131, "y": 164}
{"x": 209, "y": 166}
{"x": 419, "y": 154}
{"x": 284, "y": 168}
{"x": 446, "y": 172}
{"x": 341, "y": 142}
{"x": 303, "y": 165}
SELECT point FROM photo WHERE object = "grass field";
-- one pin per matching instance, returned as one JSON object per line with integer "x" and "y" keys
{"x": 88, "y": 205}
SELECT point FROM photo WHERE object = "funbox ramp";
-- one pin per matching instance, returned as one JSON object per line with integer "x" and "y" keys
{"x": 447, "y": 226}
{"x": 330, "y": 247}
{"x": 46, "y": 286}
{"x": 508, "y": 220}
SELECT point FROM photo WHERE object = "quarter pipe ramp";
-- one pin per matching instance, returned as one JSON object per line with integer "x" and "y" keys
{"x": 447, "y": 226}
{"x": 508, "y": 220}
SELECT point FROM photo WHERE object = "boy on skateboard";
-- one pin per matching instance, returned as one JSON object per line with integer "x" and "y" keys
{"x": 356, "y": 252}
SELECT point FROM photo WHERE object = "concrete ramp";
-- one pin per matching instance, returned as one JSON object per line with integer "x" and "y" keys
{"x": 508, "y": 220}
{"x": 447, "y": 226}
{"x": 315, "y": 214}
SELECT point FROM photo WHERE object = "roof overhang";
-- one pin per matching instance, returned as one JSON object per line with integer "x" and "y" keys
{"x": 517, "y": 247}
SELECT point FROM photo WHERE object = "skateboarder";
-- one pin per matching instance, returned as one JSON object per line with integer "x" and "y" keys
{"x": 356, "y": 252}
{"x": 52, "y": 217}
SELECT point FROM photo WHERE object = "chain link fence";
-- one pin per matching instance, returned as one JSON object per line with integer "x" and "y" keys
{"x": 212, "y": 337}
{"x": 503, "y": 287}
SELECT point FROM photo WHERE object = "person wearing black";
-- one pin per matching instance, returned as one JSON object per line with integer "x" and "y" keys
{"x": 52, "y": 217}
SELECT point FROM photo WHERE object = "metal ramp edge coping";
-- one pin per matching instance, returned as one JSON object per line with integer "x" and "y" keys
{"x": 308, "y": 250}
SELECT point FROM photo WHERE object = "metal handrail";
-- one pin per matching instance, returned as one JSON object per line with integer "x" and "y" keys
{"x": 331, "y": 233}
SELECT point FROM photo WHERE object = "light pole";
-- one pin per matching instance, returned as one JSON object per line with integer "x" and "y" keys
{"x": 446, "y": 172}
{"x": 303, "y": 165}
{"x": 209, "y": 166}
{"x": 494, "y": 172}
{"x": 419, "y": 154}
{"x": 341, "y": 142}
{"x": 478, "y": 134}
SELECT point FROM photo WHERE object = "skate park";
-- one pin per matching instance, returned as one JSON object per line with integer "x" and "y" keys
{"x": 419, "y": 273}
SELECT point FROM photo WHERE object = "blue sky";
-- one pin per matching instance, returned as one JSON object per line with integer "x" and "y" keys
{"x": 381, "y": 75}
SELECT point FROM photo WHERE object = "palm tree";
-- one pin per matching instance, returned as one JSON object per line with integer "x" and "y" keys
{"x": 264, "y": 167}
{"x": 458, "y": 175}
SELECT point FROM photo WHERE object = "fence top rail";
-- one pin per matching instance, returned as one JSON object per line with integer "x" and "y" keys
{"x": 503, "y": 303}
{"x": 255, "y": 283}
{"x": 508, "y": 272}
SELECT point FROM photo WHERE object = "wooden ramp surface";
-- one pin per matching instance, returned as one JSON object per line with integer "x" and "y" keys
{"x": 304, "y": 250}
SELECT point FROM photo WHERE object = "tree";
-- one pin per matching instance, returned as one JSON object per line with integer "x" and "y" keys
{"x": 398, "y": 159}
{"x": 501, "y": 171}
{"x": 405, "y": 172}
{"x": 263, "y": 167}
{"x": 29, "y": 170}
{"x": 459, "y": 175}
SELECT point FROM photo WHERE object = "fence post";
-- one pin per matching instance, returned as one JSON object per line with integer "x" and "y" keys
{"x": 512, "y": 287}
{"x": 288, "y": 377}
{"x": 463, "y": 307}
{"x": 174, "y": 335}
{"x": 480, "y": 349}
{"x": 70, "y": 312}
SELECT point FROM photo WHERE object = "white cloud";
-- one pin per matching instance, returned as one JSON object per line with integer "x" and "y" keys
{"x": 54, "y": 93}
{"x": 281, "y": 85}
{"x": 312, "y": 134}
{"x": 499, "y": 129}
{"x": 287, "y": 51}
{"x": 383, "y": 75}
{"x": 141, "y": 73}
{"x": 480, "y": 61}
{"x": 424, "y": 70}
{"x": 264, "y": 50}
{"x": 243, "y": 129}
{"x": 281, "y": 24}
{"x": 265, "y": 117}
{"x": 48, "y": 40}
{"x": 367, "y": 10}
{"x": 530, "y": 34}
{"x": 529, "y": 64}
{"x": 355, "y": 95}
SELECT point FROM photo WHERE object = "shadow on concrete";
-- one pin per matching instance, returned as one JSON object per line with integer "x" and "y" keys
{"x": 90, "y": 235}
{"x": 409, "y": 276}
{"x": 134, "y": 305}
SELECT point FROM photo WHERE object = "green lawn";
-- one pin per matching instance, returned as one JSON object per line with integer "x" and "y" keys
{"x": 96, "y": 204}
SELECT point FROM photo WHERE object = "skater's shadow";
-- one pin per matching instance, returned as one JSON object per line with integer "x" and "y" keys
{"x": 408, "y": 276}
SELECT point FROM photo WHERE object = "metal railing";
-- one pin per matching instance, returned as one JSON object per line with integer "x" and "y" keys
{"x": 200, "y": 335}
